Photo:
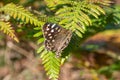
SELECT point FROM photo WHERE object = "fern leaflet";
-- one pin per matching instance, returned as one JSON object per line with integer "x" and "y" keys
{"x": 7, "y": 29}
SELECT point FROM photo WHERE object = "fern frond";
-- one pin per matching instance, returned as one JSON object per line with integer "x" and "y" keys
{"x": 103, "y": 2}
{"x": 20, "y": 13}
{"x": 77, "y": 15}
{"x": 51, "y": 64}
{"x": 52, "y": 3}
{"x": 7, "y": 29}
{"x": 74, "y": 15}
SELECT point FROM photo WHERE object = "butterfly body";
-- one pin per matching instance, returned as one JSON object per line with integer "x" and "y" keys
{"x": 56, "y": 38}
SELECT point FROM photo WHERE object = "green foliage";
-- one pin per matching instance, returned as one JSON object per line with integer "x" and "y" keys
{"x": 108, "y": 70}
{"x": 51, "y": 64}
{"x": 74, "y": 15}
{"x": 18, "y": 12}
{"x": 110, "y": 20}
{"x": 113, "y": 15}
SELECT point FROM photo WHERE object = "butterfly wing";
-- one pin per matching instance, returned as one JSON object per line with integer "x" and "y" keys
{"x": 50, "y": 32}
{"x": 56, "y": 37}
{"x": 62, "y": 40}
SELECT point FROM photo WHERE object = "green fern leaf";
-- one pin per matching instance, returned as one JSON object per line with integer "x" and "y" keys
{"x": 20, "y": 13}
{"x": 103, "y": 2}
{"x": 38, "y": 34}
{"x": 51, "y": 64}
{"x": 7, "y": 29}
{"x": 40, "y": 49}
{"x": 77, "y": 15}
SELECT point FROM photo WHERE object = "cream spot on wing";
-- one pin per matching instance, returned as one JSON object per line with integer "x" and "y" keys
{"x": 53, "y": 26}
{"x": 52, "y": 30}
{"x": 58, "y": 30}
{"x": 53, "y": 40}
{"x": 48, "y": 29}
{"x": 48, "y": 40}
{"x": 49, "y": 34}
{"x": 46, "y": 32}
{"x": 50, "y": 37}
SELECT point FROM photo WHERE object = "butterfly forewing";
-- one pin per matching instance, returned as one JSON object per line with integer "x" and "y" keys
{"x": 56, "y": 37}
{"x": 50, "y": 30}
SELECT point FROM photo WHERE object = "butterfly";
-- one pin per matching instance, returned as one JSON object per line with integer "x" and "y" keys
{"x": 56, "y": 37}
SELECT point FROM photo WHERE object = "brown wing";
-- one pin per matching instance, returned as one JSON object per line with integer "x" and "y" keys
{"x": 50, "y": 30}
{"x": 56, "y": 37}
{"x": 62, "y": 41}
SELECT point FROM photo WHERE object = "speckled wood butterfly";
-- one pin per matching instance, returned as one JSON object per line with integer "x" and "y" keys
{"x": 56, "y": 38}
